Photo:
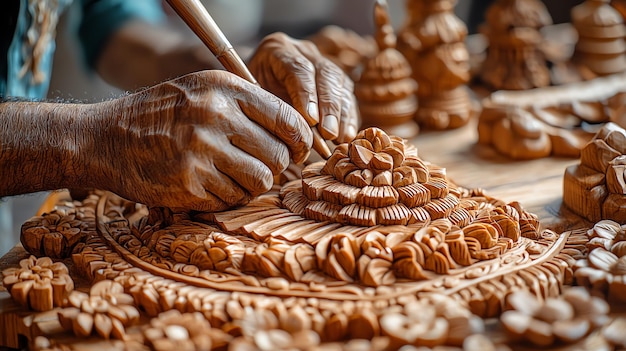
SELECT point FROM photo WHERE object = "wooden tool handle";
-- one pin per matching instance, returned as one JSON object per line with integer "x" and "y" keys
{"x": 200, "y": 22}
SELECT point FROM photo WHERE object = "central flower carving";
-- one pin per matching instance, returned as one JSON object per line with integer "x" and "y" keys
{"x": 373, "y": 180}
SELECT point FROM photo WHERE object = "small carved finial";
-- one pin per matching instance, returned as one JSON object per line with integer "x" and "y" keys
{"x": 385, "y": 90}
{"x": 385, "y": 36}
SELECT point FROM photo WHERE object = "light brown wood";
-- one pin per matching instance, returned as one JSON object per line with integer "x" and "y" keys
{"x": 552, "y": 120}
{"x": 322, "y": 284}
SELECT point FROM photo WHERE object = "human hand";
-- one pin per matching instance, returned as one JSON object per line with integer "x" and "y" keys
{"x": 206, "y": 141}
{"x": 296, "y": 72}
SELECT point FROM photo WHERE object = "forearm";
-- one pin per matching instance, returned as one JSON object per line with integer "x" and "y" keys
{"x": 40, "y": 145}
{"x": 141, "y": 54}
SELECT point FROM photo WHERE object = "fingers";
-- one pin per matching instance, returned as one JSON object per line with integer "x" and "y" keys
{"x": 317, "y": 88}
{"x": 220, "y": 185}
{"x": 350, "y": 119}
{"x": 329, "y": 92}
{"x": 243, "y": 169}
{"x": 279, "y": 119}
{"x": 260, "y": 144}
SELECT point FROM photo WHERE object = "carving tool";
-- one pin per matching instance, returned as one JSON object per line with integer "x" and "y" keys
{"x": 200, "y": 22}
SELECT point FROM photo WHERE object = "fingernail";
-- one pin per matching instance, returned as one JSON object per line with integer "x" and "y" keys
{"x": 351, "y": 133}
{"x": 330, "y": 123}
{"x": 314, "y": 113}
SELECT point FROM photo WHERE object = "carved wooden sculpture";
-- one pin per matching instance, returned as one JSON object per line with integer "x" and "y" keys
{"x": 514, "y": 59}
{"x": 600, "y": 49}
{"x": 386, "y": 90}
{"x": 596, "y": 188}
{"x": 432, "y": 40}
{"x": 374, "y": 247}
{"x": 550, "y": 121}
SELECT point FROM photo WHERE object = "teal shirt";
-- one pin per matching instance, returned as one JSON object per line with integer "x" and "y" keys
{"x": 29, "y": 56}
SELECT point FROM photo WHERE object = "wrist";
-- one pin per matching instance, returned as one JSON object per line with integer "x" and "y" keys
{"x": 40, "y": 145}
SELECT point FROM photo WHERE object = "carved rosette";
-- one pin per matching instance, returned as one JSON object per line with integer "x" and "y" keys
{"x": 596, "y": 188}
{"x": 568, "y": 318}
{"x": 372, "y": 181}
{"x": 105, "y": 311}
{"x": 38, "y": 283}
{"x": 604, "y": 269}
{"x": 514, "y": 60}
{"x": 56, "y": 234}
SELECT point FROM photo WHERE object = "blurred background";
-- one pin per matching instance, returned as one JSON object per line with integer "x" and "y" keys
{"x": 244, "y": 22}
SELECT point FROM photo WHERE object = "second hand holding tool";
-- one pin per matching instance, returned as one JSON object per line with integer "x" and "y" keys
{"x": 202, "y": 24}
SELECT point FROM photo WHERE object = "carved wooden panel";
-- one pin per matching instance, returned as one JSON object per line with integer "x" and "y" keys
{"x": 419, "y": 263}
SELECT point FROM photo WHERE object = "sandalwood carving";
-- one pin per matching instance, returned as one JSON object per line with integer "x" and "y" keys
{"x": 604, "y": 270}
{"x": 596, "y": 188}
{"x": 293, "y": 269}
{"x": 105, "y": 311}
{"x": 550, "y": 121}
{"x": 567, "y": 319}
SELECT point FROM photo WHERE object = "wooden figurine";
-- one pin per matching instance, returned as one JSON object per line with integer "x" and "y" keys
{"x": 386, "y": 90}
{"x": 514, "y": 59}
{"x": 600, "y": 49}
{"x": 596, "y": 188}
{"x": 432, "y": 40}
